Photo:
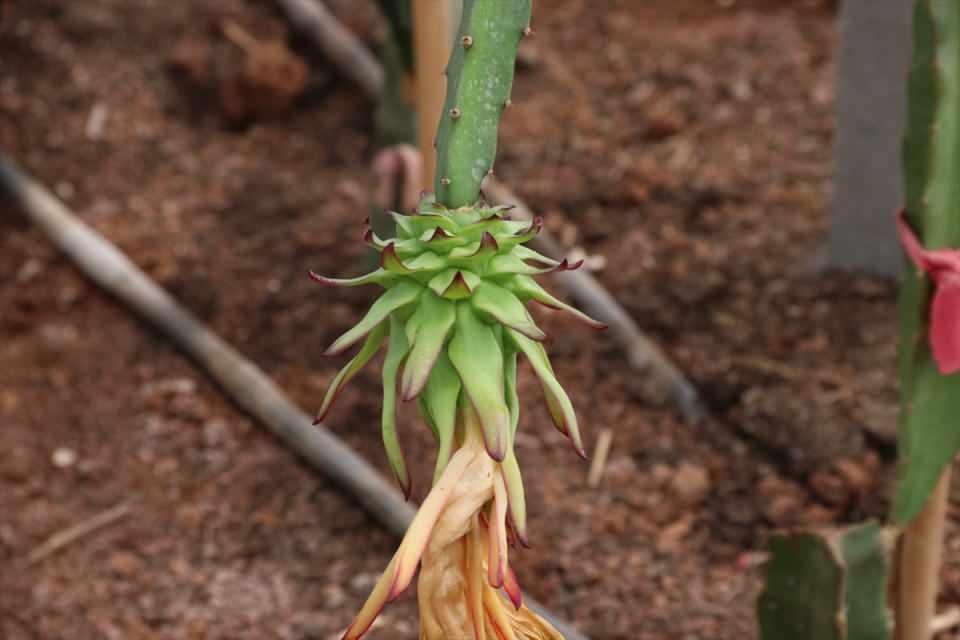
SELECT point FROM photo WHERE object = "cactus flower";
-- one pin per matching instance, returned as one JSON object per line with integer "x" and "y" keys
{"x": 943, "y": 267}
{"x": 454, "y": 320}
{"x": 460, "y": 540}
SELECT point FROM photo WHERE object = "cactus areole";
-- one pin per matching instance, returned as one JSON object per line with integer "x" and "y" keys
{"x": 479, "y": 81}
{"x": 454, "y": 318}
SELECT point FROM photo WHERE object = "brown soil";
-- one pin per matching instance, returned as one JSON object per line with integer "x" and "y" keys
{"x": 686, "y": 142}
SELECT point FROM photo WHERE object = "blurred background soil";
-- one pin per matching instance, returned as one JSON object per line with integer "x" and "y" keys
{"x": 684, "y": 145}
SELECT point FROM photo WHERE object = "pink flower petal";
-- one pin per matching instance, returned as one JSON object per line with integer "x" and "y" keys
{"x": 945, "y": 323}
{"x": 943, "y": 267}
{"x": 935, "y": 262}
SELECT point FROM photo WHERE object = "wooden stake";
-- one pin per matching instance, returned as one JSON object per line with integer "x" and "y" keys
{"x": 920, "y": 555}
{"x": 432, "y": 40}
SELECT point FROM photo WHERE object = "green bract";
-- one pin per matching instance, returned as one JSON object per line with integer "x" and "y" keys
{"x": 454, "y": 318}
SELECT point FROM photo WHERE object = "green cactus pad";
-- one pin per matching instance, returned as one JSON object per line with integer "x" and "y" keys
{"x": 827, "y": 585}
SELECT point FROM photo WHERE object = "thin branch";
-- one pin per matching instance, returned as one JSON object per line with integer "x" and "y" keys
{"x": 600, "y": 455}
{"x": 71, "y": 534}
{"x": 667, "y": 381}
{"x": 246, "y": 384}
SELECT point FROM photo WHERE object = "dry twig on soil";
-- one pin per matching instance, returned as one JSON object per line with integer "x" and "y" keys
{"x": 75, "y": 532}
{"x": 600, "y": 455}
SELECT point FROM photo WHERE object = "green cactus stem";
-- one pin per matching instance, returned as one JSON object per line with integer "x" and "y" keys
{"x": 929, "y": 429}
{"x": 827, "y": 586}
{"x": 479, "y": 81}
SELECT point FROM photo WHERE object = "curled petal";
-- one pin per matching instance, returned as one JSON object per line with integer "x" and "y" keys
{"x": 405, "y": 226}
{"x": 438, "y": 234}
{"x": 510, "y": 264}
{"x": 505, "y": 308}
{"x": 526, "y": 253}
{"x": 512, "y": 588}
{"x": 943, "y": 267}
{"x": 437, "y": 321}
{"x": 380, "y": 276}
{"x": 426, "y": 261}
{"x": 442, "y": 281}
{"x": 369, "y": 349}
{"x": 458, "y": 289}
{"x": 497, "y": 617}
{"x": 400, "y": 571}
{"x": 488, "y": 246}
{"x": 497, "y": 560}
{"x": 524, "y": 235}
{"x": 557, "y": 400}
{"x": 517, "y": 502}
{"x": 417, "y": 536}
{"x": 945, "y": 324}
{"x": 375, "y": 603}
{"x": 390, "y": 261}
{"x": 403, "y": 294}
{"x": 396, "y": 351}
{"x": 370, "y": 237}
{"x": 510, "y": 385}
{"x": 440, "y": 397}
{"x": 527, "y": 287}
{"x": 932, "y": 261}
{"x": 478, "y": 358}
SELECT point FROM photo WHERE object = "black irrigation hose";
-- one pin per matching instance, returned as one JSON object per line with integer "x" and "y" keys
{"x": 243, "y": 381}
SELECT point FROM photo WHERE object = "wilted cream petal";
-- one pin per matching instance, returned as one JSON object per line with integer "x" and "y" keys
{"x": 460, "y": 556}
{"x": 423, "y": 525}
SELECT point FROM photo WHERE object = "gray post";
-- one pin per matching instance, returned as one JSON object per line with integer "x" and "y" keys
{"x": 871, "y": 111}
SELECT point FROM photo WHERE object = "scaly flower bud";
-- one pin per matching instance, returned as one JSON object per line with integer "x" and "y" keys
{"x": 454, "y": 319}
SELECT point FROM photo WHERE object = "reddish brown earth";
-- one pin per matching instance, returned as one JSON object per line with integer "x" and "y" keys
{"x": 687, "y": 143}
